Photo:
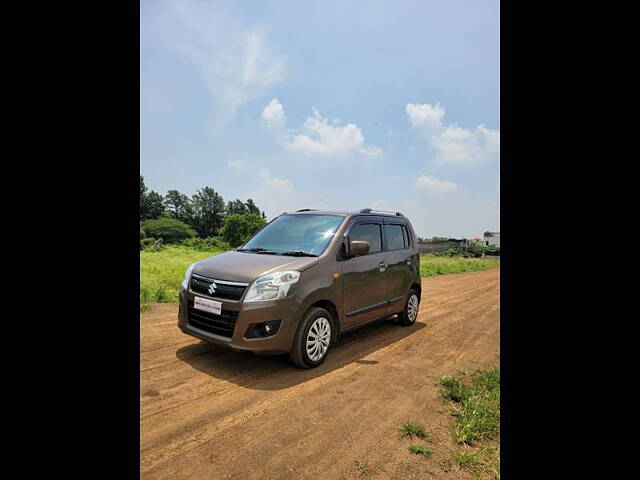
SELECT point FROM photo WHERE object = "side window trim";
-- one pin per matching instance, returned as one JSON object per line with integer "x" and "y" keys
{"x": 410, "y": 242}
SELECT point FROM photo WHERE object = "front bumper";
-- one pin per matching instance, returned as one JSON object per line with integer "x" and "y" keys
{"x": 286, "y": 310}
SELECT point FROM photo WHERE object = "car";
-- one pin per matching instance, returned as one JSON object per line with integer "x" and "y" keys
{"x": 301, "y": 281}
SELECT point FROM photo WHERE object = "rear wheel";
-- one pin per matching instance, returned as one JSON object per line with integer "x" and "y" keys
{"x": 410, "y": 313}
{"x": 313, "y": 339}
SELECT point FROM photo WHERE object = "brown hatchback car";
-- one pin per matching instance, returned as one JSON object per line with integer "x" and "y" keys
{"x": 303, "y": 279}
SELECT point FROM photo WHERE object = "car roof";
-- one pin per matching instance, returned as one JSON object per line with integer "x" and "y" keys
{"x": 345, "y": 213}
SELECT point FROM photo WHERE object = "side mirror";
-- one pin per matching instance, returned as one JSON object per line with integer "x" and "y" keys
{"x": 357, "y": 248}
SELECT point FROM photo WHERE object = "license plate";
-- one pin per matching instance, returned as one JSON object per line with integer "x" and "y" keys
{"x": 207, "y": 305}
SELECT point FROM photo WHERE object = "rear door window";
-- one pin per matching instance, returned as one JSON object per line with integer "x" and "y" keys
{"x": 396, "y": 237}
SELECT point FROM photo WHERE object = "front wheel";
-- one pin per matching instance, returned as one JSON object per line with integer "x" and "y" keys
{"x": 410, "y": 313}
{"x": 313, "y": 339}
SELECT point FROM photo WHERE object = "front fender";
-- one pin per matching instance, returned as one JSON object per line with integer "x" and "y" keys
{"x": 325, "y": 287}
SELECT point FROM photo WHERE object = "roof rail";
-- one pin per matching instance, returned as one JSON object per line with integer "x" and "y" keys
{"x": 369, "y": 210}
{"x": 306, "y": 210}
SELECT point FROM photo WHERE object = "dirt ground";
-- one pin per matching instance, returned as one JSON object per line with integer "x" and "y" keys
{"x": 207, "y": 413}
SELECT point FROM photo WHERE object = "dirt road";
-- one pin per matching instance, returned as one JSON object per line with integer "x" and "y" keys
{"x": 208, "y": 413}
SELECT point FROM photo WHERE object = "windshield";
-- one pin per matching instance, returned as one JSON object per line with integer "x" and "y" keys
{"x": 295, "y": 234}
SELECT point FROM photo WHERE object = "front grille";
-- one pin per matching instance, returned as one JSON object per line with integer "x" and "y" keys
{"x": 201, "y": 284}
{"x": 222, "y": 325}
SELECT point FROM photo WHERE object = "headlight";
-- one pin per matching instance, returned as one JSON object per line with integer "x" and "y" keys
{"x": 273, "y": 286}
{"x": 187, "y": 276}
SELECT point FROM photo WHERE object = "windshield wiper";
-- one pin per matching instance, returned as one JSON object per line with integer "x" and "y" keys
{"x": 299, "y": 253}
{"x": 257, "y": 250}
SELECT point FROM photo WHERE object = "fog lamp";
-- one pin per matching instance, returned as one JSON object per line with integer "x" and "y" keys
{"x": 263, "y": 329}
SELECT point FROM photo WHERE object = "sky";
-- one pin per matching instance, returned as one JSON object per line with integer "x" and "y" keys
{"x": 327, "y": 104}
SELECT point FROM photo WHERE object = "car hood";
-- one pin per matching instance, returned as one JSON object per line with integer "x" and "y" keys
{"x": 246, "y": 267}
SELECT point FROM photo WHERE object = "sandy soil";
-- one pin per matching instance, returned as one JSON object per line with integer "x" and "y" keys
{"x": 209, "y": 413}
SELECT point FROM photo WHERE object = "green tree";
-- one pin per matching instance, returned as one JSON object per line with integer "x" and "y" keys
{"x": 251, "y": 207}
{"x": 236, "y": 206}
{"x": 170, "y": 230}
{"x": 208, "y": 211}
{"x": 240, "y": 228}
{"x": 144, "y": 210}
{"x": 154, "y": 205}
{"x": 179, "y": 206}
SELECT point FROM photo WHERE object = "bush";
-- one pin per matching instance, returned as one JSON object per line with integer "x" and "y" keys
{"x": 206, "y": 244}
{"x": 142, "y": 236}
{"x": 239, "y": 228}
{"x": 147, "y": 242}
{"x": 170, "y": 230}
{"x": 479, "y": 250}
{"x": 449, "y": 252}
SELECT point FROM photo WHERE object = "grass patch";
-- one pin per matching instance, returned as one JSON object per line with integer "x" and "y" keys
{"x": 477, "y": 405}
{"x": 362, "y": 467}
{"x": 412, "y": 431}
{"x": 484, "y": 462}
{"x": 466, "y": 458}
{"x": 451, "y": 389}
{"x": 418, "y": 450}
{"x": 431, "y": 265}
{"x": 476, "y": 411}
{"x": 161, "y": 272}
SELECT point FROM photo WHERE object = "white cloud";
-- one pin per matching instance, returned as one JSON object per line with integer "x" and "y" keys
{"x": 435, "y": 185}
{"x": 425, "y": 116}
{"x": 453, "y": 144}
{"x": 275, "y": 184}
{"x": 279, "y": 184}
{"x": 274, "y": 195}
{"x": 236, "y": 64}
{"x": 318, "y": 136}
{"x": 273, "y": 115}
{"x": 235, "y": 163}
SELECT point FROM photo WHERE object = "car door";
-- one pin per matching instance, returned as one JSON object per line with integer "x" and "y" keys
{"x": 364, "y": 281}
{"x": 398, "y": 257}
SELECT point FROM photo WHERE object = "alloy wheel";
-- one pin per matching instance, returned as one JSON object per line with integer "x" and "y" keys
{"x": 318, "y": 338}
{"x": 412, "y": 307}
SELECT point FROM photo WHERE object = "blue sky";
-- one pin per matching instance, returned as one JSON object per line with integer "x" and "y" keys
{"x": 341, "y": 105}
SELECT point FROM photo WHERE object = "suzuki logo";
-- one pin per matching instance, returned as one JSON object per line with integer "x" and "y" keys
{"x": 212, "y": 288}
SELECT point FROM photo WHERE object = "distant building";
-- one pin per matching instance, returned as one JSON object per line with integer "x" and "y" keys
{"x": 491, "y": 239}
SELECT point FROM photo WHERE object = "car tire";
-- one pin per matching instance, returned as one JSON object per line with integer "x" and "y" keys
{"x": 317, "y": 328}
{"x": 411, "y": 305}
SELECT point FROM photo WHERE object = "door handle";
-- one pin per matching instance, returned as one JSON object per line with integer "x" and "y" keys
{"x": 382, "y": 267}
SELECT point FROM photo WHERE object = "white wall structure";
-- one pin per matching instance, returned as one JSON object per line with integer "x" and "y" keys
{"x": 492, "y": 239}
